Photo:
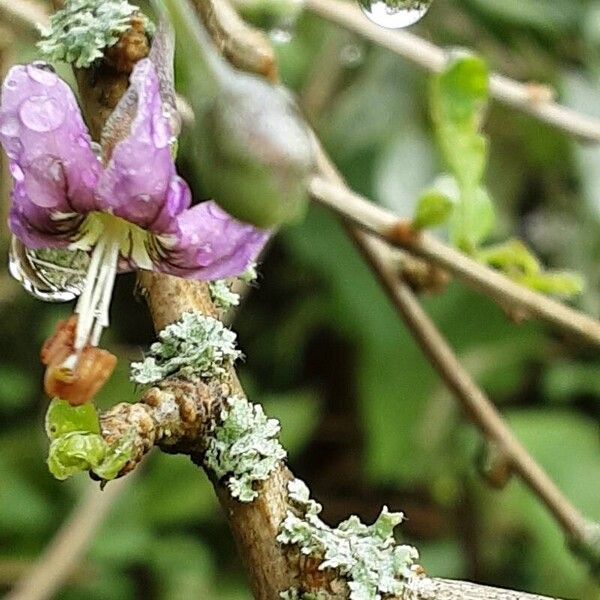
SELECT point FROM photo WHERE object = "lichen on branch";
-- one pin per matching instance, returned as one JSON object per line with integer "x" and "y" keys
{"x": 194, "y": 346}
{"x": 367, "y": 556}
{"x": 244, "y": 448}
{"x": 80, "y": 32}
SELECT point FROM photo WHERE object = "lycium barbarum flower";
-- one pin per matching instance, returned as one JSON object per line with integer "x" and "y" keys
{"x": 128, "y": 209}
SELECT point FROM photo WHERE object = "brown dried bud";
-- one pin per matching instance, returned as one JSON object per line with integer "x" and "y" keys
{"x": 76, "y": 379}
{"x": 132, "y": 46}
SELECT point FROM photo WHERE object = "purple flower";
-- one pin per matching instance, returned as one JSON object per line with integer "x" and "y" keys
{"x": 129, "y": 211}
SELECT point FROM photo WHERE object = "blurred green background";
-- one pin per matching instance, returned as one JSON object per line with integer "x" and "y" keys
{"x": 365, "y": 419}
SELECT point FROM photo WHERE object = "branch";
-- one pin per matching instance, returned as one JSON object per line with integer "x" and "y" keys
{"x": 521, "y": 96}
{"x": 178, "y": 414}
{"x": 398, "y": 232}
{"x": 476, "y": 405}
{"x": 64, "y": 554}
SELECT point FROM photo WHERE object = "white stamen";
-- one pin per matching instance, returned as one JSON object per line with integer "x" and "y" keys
{"x": 94, "y": 303}
{"x": 109, "y": 236}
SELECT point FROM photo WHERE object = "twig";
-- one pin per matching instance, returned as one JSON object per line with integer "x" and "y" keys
{"x": 474, "y": 402}
{"x": 66, "y": 551}
{"x": 521, "y": 96}
{"x": 499, "y": 288}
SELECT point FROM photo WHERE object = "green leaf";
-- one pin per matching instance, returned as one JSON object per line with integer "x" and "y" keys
{"x": 458, "y": 100}
{"x": 472, "y": 220}
{"x": 434, "y": 208}
{"x": 554, "y": 283}
{"x": 511, "y": 256}
{"x": 62, "y": 418}
{"x": 115, "y": 458}
{"x": 459, "y": 97}
{"x": 75, "y": 452}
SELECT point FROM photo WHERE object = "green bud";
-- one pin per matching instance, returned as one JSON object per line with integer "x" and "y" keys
{"x": 433, "y": 208}
{"x": 252, "y": 149}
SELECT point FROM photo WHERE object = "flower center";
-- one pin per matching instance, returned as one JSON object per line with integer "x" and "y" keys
{"x": 109, "y": 237}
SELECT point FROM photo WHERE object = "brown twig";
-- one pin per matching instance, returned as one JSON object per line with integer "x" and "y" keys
{"x": 474, "y": 402}
{"x": 63, "y": 556}
{"x": 521, "y": 96}
{"x": 499, "y": 288}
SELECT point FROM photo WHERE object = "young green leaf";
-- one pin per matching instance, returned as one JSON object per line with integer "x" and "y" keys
{"x": 459, "y": 97}
{"x": 554, "y": 283}
{"x": 458, "y": 101}
{"x": 433, "y": 208}
{"x": 472, "y": 220}
{"x": 75, "y": 452}
{"x": 512, "y": 256}
{"x": 62, "y": 418}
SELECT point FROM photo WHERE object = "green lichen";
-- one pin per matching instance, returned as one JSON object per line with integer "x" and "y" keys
{"x": 250, "y": 274}
{"x": 194, "y": 346}
{"x": 367, "y": 556}
{"x": 244, "y": 448}
{"x": 220, "y": 289}
{"x": 222, "y": 295}
{"x": 80, "y": 32}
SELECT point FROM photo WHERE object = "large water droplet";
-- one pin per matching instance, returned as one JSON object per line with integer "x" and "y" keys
{"x": 10, "y": 84}
{"x": 49, "y": 275}
{"x": 395, "y": 14}
{"x": 42, "y": 73}
{"x": 42, "y": 113}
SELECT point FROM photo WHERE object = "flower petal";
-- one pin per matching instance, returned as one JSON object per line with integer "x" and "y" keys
{"x": 40, "y": 213}
{"x": 210, "y": 244}
{"x": 51, "y": 159}
{"x": 136, "y": 182}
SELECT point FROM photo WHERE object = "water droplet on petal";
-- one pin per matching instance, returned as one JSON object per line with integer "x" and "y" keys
{"x": 161, "y": 131}
{"x": 144, "y": 198}
{"x": 10, "y": 126}
{"x": 45, "y": 182}
{"x": 42, "y": 72}
{"x": 35, "y": 271}
{"x": 42, "y": 114}
{"x": 395, "y": 14}
{"x": 10, "y": 84}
